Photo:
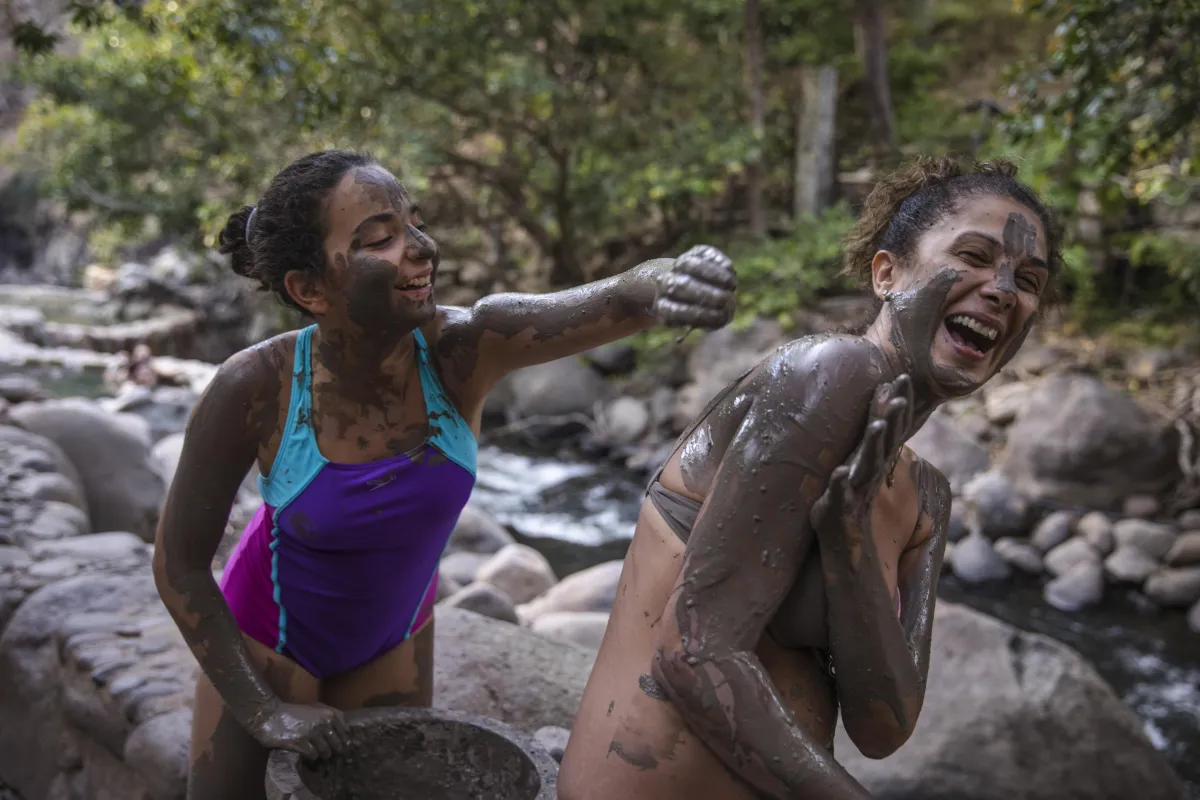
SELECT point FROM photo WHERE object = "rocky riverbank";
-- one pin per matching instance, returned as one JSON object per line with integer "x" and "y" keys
{"x": 95, "y": 679}
{"x": 1056, "y": 474}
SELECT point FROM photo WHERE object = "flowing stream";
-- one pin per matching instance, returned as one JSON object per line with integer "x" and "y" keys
{"x": 580, "y": 514}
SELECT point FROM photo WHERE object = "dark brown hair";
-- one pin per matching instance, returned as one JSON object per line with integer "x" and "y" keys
{"x": 288, "y": 229}
{"x": 914, "y": 198}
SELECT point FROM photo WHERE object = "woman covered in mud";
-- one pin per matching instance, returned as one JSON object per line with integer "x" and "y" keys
{"x": 364, "y": 427}
{"x": 786, "y": 557}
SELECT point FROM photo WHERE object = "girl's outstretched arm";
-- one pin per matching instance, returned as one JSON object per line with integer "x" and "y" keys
{"x": 503, "y": 332}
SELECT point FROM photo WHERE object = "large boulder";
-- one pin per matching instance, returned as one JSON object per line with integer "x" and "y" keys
{"x": 165, "y": 409}
{"x": 995, "y": 507}
{"x": 1011, "y": 714}
{"x": 1004, "y": 402}
{"x": 958, "y": 456}
{"x": 16, "y": 444}
{"x": 557, "y": 388}
{"x": 519, "y": 571}
{"x": 506, "y": 672}
{"x": 41, "y": 494}
{"x": 586, "y": 628}
{"x": 590, "y": 590}
{"x": 1082, "y": 443}
{"x": 482, "y": 598}
{"x": 96, "y": 685}
{"x": 95, "y": 692}
{"x": 478, "y": 532}
{"x": 111, "y": 453}
{"x": 25, "y": 571}
{"x": 164, "y": 458}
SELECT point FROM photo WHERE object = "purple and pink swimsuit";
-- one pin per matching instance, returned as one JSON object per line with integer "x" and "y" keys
{"x": 340, "y": 564}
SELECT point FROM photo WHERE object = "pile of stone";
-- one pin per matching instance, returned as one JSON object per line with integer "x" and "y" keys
{"x": 1080, "y": 553}
{"x": 96, "y": 682}
{"x": 1073, "y": 495}
{"x": 1055, "y": 476}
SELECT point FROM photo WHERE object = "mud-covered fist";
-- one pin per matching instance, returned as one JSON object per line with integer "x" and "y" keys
{"x": 314, "y": 731}
{"x": 698, "y": 290}
{"x": 846, "y": 503}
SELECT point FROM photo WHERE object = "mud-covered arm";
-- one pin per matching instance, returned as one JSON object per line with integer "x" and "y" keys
{"x": 505, "y": 332}
{"x": 882, "y": 661}
{"x": 741, "y": 559}
{"x": 219, "y": 447}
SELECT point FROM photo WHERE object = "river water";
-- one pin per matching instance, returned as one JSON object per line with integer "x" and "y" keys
{"x": 580, "y": 514}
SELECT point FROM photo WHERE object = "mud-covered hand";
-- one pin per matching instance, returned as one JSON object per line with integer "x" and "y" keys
{"x": 314, "y": 731}
{"x": 697, "y": 291}
{"x": 841, "y": 517}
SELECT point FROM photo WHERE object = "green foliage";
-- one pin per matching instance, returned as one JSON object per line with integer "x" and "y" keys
{"x": 1108, "y": 114}
{"x": 588, "y": 135}
{"x": 779, "y": 276}
{"x": 943, "y": 59}
{"x": 1121, "y": 81}
{"x": 1178, "y": 258}
{"x": 148, "y": 120}
{"x": 581, "y": 123}
{"x": 31, "y": 38}
{"x": 1078, "y": 282}
{"x": 601, "y": 133}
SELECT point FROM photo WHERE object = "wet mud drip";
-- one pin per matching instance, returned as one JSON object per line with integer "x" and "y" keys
{"x": 916, "y": 316}
{"x": 1020, "y": 241}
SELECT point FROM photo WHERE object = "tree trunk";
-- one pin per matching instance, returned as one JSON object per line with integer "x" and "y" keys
{"x": 815, "y": 140}
{"x": 565, "y": 270}
{"x": 568, "y": 269}
{"x": 872, "y": 52}
{"x": 758, "y": 113}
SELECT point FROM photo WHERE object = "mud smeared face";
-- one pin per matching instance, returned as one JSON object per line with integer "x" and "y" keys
{"x": 962, "y": 307}
{"x": 383, "y": 265}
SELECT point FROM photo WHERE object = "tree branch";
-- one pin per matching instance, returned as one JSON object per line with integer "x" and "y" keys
{"x": 508, "y": 186}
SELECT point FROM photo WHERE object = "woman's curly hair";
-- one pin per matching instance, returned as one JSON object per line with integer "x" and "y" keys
{"x": 914, "y": 198}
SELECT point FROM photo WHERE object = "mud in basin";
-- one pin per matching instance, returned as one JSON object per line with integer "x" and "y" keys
{"x": 420, "y": 754}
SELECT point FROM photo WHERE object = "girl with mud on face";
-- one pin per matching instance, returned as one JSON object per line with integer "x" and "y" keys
{"x": 363, "y": 426}
{"x": 785, "y": 560}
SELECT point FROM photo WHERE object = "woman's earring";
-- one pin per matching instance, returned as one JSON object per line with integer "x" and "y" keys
{"x": 887, "y": 297}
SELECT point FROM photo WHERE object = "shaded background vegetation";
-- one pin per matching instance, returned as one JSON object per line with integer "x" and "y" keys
{"x": 558, "y": 141}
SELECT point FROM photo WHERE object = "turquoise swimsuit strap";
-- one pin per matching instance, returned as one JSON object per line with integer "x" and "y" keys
{"x": 451, "y": 433}
{"x": 299, "y": 459}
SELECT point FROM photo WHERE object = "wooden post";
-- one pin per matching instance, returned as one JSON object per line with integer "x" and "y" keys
{"x": 815, "y": 135}
{"x": 758, "y": 115}
{"x": 871, "y": 43}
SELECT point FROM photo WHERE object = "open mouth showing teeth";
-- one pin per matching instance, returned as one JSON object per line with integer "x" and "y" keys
{"x": 972, "y": 333}
{"x": 419, "y": 283}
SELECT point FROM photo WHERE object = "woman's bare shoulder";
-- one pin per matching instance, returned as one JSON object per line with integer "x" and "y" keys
{"x": 820, "y": 358}
{"x": 251, "y": 387}
{"x": 260, "y": 366}
{"x": 815, "y": 373}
